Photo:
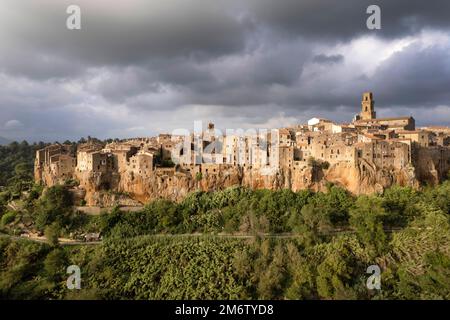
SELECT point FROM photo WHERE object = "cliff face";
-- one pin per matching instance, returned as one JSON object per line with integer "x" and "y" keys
{"x": 129, "y": 189}
{"x": 365, "y": 179}
{"x": 432, "y": 164}
{"x": 178, "y": 185}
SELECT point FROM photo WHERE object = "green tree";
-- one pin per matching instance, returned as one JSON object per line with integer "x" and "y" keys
{"x": 300, "y": 284}
{"x": 439, "y": 197}
{"x": 7, "y": 218}
{"x": 316, "y": 222}
{"x": 52, "y": 233}
{"x": 398, "y": 203}
{"x": 55, "y": 264}
{"x": 341, "y": 269}
{"x": 366, "y": 218}
{"x": 54, "y": 206}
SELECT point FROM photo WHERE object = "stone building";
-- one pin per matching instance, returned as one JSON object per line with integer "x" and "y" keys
{"x": 367, "y": 117}
{"x": 54, "y": 163}
{"x": 367, "y": 107}
{"x": 95, "y": 161}
{"x": 122, "y": 152}
{"x": 384, "y": 154}
{"x": 141, "y": 164}
{"x": 421, "y": 137}
{"x": 63, "y": 165}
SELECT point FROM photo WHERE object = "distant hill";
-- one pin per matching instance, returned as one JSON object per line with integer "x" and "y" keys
{"x": 4, "y": 141}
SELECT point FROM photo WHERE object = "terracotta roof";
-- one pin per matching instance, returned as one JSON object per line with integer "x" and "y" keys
{"x": 399, "y": 140}
{"x": 385, "y": 119}
{"x": 410, "y": 131}
{"x": 283, "y": 131}
{"x": 366, "y": 123}
{"x": 371, "y": 136}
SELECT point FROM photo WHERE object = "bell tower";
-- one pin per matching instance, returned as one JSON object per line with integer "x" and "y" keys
{"x": 367, "y": 107}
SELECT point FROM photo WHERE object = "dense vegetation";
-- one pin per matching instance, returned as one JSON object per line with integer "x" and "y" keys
{"x": 415, "y": 265}
{"x": 333, "y": 238}
{"x": 16, "y": 165}
{"x": 314, "y": 216}
{"x": 254, "y": 244}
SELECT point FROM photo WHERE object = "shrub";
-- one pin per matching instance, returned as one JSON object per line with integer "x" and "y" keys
{"x": 366, "y": 218}
{"x": 54, "y": 206}
{"x": 52, "y": 233}
{"x": 55, "y": 263}
{"x": 7, "y": 218}
{"x": 167, "y": 164}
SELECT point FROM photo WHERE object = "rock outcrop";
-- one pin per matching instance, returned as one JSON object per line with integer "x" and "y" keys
{"x": 129, "y": 189}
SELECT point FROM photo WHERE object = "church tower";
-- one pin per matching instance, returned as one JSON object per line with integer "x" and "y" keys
{"x": 367, "y": 107}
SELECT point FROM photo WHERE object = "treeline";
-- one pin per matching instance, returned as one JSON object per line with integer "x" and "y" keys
{"x": 17, "y": 161}
{"x": 241, "y": 210}
{"x": 16, "y": 174}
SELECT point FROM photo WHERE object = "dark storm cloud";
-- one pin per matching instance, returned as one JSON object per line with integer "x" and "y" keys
{"x": 416, "y": 76}
{"x": 251, "y": 62}
{"x": 324, "y": 59}
{"x": 124, "y": 33}
{"x": 342, "y": 20}
{"x": 133, "y": 32}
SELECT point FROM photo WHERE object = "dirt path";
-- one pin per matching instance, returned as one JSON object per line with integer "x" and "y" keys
{"x": 71, "y": 242}
{"x": 62, "y": 241}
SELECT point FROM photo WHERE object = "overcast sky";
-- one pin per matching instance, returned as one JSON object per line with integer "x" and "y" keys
{"x": 139, "y": 67}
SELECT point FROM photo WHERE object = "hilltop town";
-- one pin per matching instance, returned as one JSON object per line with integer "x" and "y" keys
{"x": 363, "y": 156}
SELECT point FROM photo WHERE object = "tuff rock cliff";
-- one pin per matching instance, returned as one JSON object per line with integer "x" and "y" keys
{"x": 128, "y": 189}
